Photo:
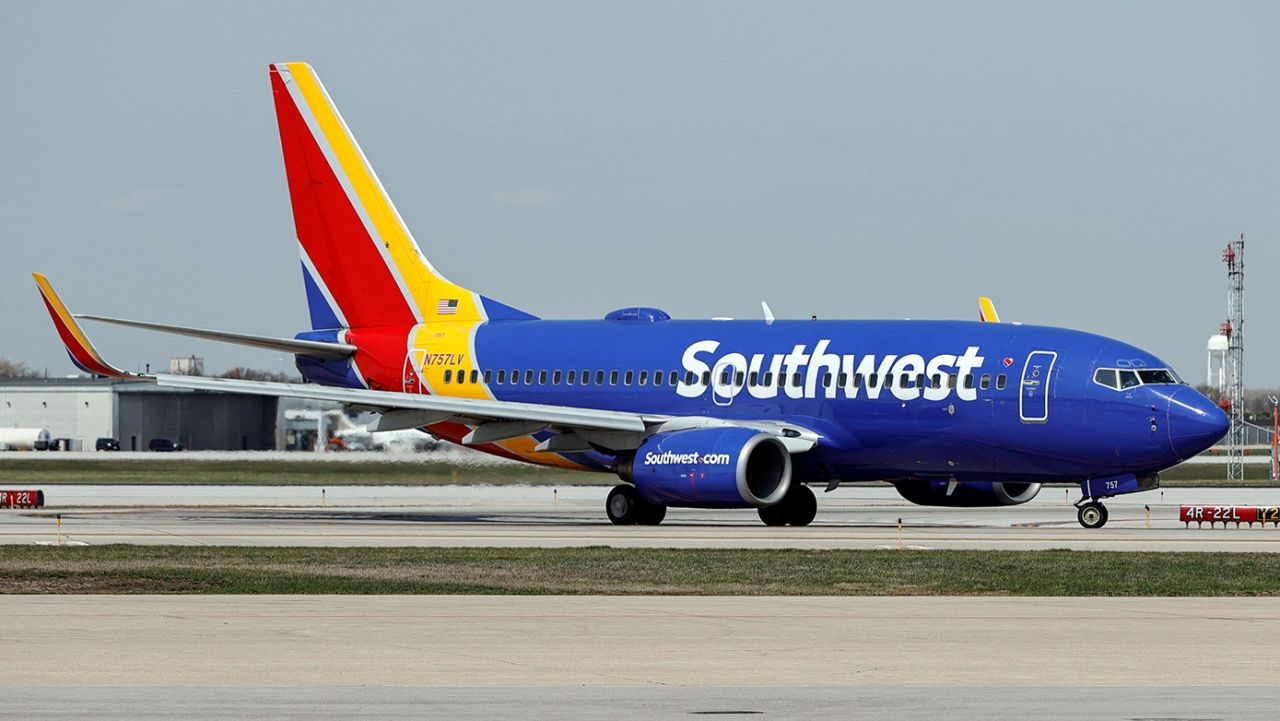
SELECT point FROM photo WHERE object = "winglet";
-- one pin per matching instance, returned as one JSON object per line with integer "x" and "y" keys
{"x": 987, "y": 311}
{"x": 82, "y": 352}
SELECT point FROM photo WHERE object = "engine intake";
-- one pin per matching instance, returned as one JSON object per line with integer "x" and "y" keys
{"x": 710, "y": 468}
{"x": 966, "y": 493}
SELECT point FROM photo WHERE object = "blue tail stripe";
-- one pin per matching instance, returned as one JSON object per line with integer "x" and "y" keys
{"x": 322, "y": 314}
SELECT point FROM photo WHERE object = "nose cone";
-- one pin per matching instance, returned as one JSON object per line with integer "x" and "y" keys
{"x": 1194, "y": 422}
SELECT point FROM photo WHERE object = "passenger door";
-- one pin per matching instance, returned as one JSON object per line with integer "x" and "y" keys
{"x": 1033, "y": 396}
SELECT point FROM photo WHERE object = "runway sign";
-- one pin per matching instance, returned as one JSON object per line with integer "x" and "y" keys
{"x": 1211, "y": 514}
{"x": 21, "y": 499}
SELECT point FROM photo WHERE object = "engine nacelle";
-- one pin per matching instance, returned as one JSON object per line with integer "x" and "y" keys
{"x": 710, "y": 468}
{"x": 967, "y": 493}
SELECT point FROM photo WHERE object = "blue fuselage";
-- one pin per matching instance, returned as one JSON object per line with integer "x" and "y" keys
{"x": 1028, "y": 410}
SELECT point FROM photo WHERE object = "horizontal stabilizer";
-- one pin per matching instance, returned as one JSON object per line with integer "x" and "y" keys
{"x": 315, "y": 349}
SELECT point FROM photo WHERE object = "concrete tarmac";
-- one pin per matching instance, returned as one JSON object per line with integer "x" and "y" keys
{"x": 637, "y": 657}
{"x": 852, "y": 517}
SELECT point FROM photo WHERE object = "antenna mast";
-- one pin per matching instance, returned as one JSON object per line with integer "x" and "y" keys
{"x": 1233, "y": 256}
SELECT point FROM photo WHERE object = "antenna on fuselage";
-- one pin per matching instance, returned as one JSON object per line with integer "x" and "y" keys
{"x": 768, "y": 314}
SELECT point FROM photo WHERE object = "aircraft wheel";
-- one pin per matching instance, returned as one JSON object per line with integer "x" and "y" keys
{"x": 1092, "y": 515}
{"x": 777, "y": 514}
{"x": 624, "y": 506}
{"x": 802, "y": 506}
{"x": 652, "y": 514}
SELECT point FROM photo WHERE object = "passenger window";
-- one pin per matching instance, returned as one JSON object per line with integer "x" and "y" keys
{"x": 1128, "y": 379}
{"x": 951, "y": 380}
{"x": 674, "y": 380}
{"x": 657, "y": 378}
{"x": 937, "y": 380}
{"x": 767, "y": 378}
{"x": 572, "y": 378}
{"x": 542, "y": 378}
{"x": 844, "y": 379}
{"x": 586, "y": 378}
{"x": 528, "y": 377}
{"x": 613, "y": 378}
{"x": 626, "y": 377}
{"x": 920, "y": 380}
{"x": 873, "y": 379}
{"x": 753, "y": 378}
{"x": 1000, "y": 380}
{"x": 795, "y": 379}
{"x": 488, "y": 376}
{"x": 1106, "y": 377}
{"x": 706, "y": 378}
{"x": 738, "y": 379}
{"x": 688, "y": 378}
{"x": 644, "y": 378}
{"x": 599, "y": 378}
{"x": 857, "y": 380}
{"x": 826, "y": 380}
{"x": 555, "y": 378}
{"x": 907, "y": 381}
{"x": 724, "y": 377}
{"x": 475, "y": 376}
{"x": 888, "y": 380}
{"x": 502, "y": 378}
{"x": 448, "y": 375}
{"x": 968, "y": 380}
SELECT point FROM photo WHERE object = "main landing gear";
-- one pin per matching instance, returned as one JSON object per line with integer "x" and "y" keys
{"x": 1091, "y": 513}
{"x": 797, "y": 508}
{"x": 626, "y": 508}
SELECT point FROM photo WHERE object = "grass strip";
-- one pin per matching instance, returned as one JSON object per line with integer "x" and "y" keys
{"x": 36, "y": 473}
{"x": 601, "y": 570}
{"x": 48, "y": 472}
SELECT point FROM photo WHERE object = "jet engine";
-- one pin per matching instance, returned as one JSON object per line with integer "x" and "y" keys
{"x": 966, "y": 493}
{"x": 710, "y": 468}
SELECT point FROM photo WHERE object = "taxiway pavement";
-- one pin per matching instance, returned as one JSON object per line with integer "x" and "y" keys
{"x": 851, "y": 517}
{"x": 637, "y": 657}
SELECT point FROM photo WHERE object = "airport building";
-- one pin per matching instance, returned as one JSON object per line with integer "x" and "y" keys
{"x": 81, "y": 410}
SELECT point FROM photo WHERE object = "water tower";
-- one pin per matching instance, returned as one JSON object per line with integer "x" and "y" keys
{"x": 1217, "y": 374}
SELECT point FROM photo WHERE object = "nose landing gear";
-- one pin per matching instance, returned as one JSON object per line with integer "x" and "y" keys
{"x": 1091, "y": 514}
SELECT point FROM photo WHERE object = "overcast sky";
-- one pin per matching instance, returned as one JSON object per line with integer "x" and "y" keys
{"x": 1082, "y": 164}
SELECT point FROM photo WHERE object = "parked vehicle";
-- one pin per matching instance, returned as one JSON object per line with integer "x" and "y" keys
{"x": 164, "y": 445}
{"x": 107, "y": 444}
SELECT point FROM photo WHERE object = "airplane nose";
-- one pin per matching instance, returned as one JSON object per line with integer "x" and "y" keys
{"x": 1194, "y": 422}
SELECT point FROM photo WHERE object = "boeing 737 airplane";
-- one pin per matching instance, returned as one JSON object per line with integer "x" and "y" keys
{"x": 691, "y": 413}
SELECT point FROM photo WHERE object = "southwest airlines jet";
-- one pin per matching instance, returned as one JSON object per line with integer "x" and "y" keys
{"x": 691, "y": 413}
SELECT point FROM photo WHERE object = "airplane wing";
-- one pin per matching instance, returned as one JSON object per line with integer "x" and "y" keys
{"x": 987, "y": 311}
{"x": 492, "y": 420}
{"x": 316, "y": 349}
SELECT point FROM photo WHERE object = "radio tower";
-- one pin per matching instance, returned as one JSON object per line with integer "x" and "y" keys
{"x": 1233, "y": 404}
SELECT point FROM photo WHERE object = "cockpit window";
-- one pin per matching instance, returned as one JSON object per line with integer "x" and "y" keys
{"x": 1123, "y": 378}
{"x": 1106, "y": 377}
{"x": 1159, "y": 375}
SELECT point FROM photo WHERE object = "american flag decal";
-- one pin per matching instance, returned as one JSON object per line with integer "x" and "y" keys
{"x": 447, "y": 306}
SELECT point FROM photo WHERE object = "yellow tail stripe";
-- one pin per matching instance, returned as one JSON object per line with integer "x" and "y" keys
{"x": 426, "y": 287}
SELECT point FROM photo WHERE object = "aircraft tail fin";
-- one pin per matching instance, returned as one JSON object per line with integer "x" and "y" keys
{"x": 361, "y": 265}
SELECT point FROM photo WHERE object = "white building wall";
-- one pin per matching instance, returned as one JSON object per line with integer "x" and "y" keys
{"x": 77, "y": 412}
